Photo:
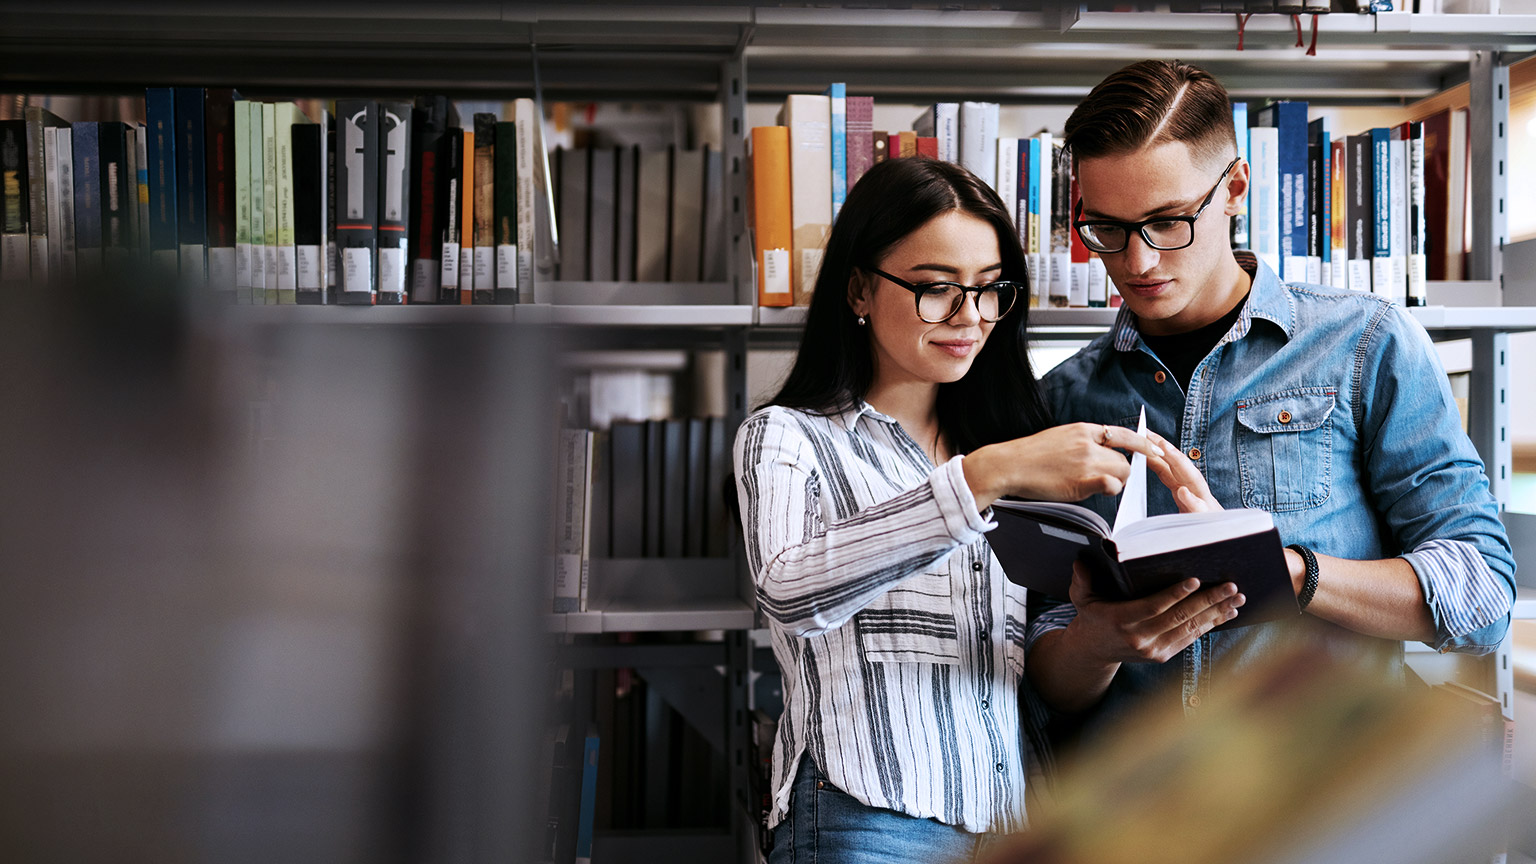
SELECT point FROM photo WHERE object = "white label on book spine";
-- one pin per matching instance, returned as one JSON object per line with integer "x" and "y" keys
{"x": 485, "y": 268}
{"x": 1381, "y": 277}
{"x": 506, "y": 267}
{"x": 330, "y": 264}
{"x": 450, "y": 275}
{"x": 14, "y": 266}
{"x": 242, "y": 265}
{"x": 221, "y": 268}
{"x": 258, "y": 269}
{"x": 392, "y": 269}
{"x": 1418, "y": 277}
{"x": 776, "y": 271}
{"x": 1295, "y": 268}
{"x": 1077, "y": 287}
{"x": 40, "y": 259}
{"x": 271, "y": 253}
{"x": 424, "y": 276}
{"x": 525, "y": 275}
{"x": 810, "y": 265}
{"x": 567, "y": 583}
{"x": 193, "y": 263}
{"x": 1314, "y": 270}
{"x": 307, "y": 259}
{"x": 1358, "y": 272}
{"x": 1098, "y": 282}
{"x": 287, "y": 264}
{"x": 467, "y": 269}
{"x": 357, "y": 269}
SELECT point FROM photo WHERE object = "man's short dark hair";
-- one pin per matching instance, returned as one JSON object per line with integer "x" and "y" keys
{"x": 1150, "y": 103}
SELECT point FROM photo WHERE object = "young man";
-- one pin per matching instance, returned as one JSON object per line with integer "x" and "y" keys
{"x": 1326, "y": 407}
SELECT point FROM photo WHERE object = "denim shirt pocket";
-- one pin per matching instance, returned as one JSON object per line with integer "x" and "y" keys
{"x": 1285, "y": 448}
{"x": 913, "y": 622}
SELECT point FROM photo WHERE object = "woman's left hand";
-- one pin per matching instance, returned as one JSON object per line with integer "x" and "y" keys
{"x": 1183, "y": 479}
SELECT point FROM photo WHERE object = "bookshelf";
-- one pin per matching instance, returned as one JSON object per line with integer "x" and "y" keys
{"x": 703, "y": 53}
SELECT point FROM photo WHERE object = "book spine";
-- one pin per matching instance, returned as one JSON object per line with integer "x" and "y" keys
{"x": 15, "y": 255}
{"x": 837, "y": 96}
{"x": 1061, "y": 230}
{"x": 1437, "y": 134}
{"x": 1398, "y": 214}
{"x": 242, "y": 201}
{"x": 39, "y": 192}
{"x": 332, "y": 268}
{"x": 130, "y": 190}
{"x": 628, "y": 181}
{"x": 87, "y": 175}
{"x": 574, "y": 170}
{"x": 771, "y": 215}
{"x": 50, "y": 271}
{"x": 1290, "y": 119}
{"x": 288, "y": 117}
{"x": 308, "y": 213}
{"x": 1359, "y": 229}
{"x": 1240, "y": 218}
{"x": 219, "y": 161}
{"x": 257, "y": 184}
{"x": 946, "y": 118}
{"x": 1080, "y": 292}
{"x": 1040, "y": 214}
{"x": 1318, "y": 188}
{"x": 528, "y": 123}
{"x": 115, "y": 243}
{"x": 426, "y": 233}
{"x": 587, "y": 816}
{"x": 450, "y": 205}
{"x": 808, "y": 119}
{"x": 1007, "y": 168}
{"x": 1418, "y": 230}
{"x": 485, "y": 209}
{"x": 191, "y": 186}
{"x": 160, "y": 114}
{"x": 602, "y": 213}
{"x": 467, "y": 221}
{"x": 653, "y": 190}
{"x": 394, "y": 201}
{"x": 978, "y": 140}
{"x": 143, "y": 196}
{"x": 357, "y": 200}
{"x": 66, "y": 244}
{"x": 504, "y": 221}
{"x": 861, "y": 137}
{"x": 1456, "y": 196}
{"x": 1264, "y": 211}
{"x": 687, "y": 214}
{"x": 269, "y": 183}
{"x": 1381, "y": 205}
{"x": 1338, "y": 194}
{"x": 571, "y": 468}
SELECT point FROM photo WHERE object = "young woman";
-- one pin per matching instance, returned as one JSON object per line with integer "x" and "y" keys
{"x": 865, "y": 487}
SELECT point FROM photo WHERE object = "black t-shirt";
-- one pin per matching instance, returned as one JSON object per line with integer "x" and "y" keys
{"x": 1182, "y": 352}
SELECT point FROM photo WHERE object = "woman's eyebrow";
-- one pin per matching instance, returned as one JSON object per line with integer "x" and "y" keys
{"x": 945, "y": 268}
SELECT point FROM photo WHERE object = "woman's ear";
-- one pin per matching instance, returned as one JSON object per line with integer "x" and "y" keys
{"x": 858, "y": 293}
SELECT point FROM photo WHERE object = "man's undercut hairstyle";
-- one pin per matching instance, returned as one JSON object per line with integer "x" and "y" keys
{"x": 1150, "y": 103}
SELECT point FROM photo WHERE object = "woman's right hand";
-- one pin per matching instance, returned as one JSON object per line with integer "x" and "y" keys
{"x": 1063, "y": 463}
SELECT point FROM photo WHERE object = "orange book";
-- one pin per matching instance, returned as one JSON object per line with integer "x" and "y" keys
{"x": 467, "y": 224}
{"x": 909, "y": 144}
{"x": 772, "y": 228}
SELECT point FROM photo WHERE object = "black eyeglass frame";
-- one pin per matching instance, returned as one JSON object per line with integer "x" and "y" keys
{"x": 1141, "y": 227}
{"x": 917, "y": 289}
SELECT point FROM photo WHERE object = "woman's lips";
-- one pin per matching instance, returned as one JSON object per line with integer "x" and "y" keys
{"x": 956, "y": 347}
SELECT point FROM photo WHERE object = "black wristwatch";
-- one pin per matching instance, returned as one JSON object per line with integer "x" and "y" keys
{"x": 1309, "y": 582}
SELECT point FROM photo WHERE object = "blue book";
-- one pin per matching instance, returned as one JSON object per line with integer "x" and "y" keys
{"x": 191, "y": 185}
{"x": 87, "y": 170}
{"x": 588, "y": 813}
{"x": 839, "y": 98}
{"x": 1034, "y": 254}
{"x": 160, "y": 154}
{"x": 1320, "y": 221}
{"x": 1290, "y": 118}
{"x": 1240, "y": 128}
{"x": 1381, "y": 211}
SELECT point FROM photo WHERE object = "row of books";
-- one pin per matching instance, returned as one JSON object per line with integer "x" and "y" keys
{"x": 641, "y": 215}
{"x": 653, "y": 489}
{"x": 380, "y": 202}
{"x": 1383, "y": 211}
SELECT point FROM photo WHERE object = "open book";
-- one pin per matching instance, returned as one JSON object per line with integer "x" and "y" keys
{"x": 1037, "y": 542}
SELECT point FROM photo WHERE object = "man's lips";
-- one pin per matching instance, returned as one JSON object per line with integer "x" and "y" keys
{"x": 1147, "y": 287}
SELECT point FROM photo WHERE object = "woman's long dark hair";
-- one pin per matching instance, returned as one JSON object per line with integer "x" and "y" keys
{"x": 998, "y": 399}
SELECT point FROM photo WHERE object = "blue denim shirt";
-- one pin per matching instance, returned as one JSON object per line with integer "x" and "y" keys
{"x": 1370, "y": 462}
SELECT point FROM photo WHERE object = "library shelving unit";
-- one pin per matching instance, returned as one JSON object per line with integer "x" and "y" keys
{"x": 700, "y": 53}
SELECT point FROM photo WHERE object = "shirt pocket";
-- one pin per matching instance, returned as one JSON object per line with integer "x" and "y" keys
{"x": 1285, "y": 448}
{"x": 913, "y": 622}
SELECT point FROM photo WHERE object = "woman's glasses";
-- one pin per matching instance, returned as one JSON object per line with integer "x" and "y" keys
{"x": 938, "y": 302}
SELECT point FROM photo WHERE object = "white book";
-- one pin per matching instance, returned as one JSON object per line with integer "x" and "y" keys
{"x": 941, "y": 121}
{"x": 1264, "y": 197}
{"x": 65, "y": 138}
{"x": 1399, "y": 217}
{"x": 1456, "y": 198}
{"x": 1042, "y": 222}
{"x": 243, "y": 201}
{"x": 1007, "y": 184}
{"x": 573, "y": 517}
{"x": 51, "y": 255}
{"x": 528, "y": 126}
{"x": 256, "y": 181}
{"x": 809, "y": 119}
{"x": 978, "y": 140}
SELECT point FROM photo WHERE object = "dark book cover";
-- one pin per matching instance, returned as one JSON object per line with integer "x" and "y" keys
{"x": 1359, "y": 210}
{"x": 627, "y": 179}
{"x": 719, "y": 490}
{"x": 44, "y": 248}
{"x": 1418, "y": 227}
{"x": 654, "y": 508}
{"x": 485, "y": 210}
{"x": 627, "y": 479}
{"x": 331, "y": 266}
{"x": 674, "y": 491}
{"x": 449, "y": 196}
{"x": 695, "y": 511}
{"x": 573, "y": 169}
{"x": 1316, "y": 240}
{"x": 87, "y": 177}
{"x": 219, "y": 168}
{"x": 191, "y": 184}
{"x": 430, "y": 119}
{"x": 1437, "y": 180}
{"x": 602, "y": 215}
{"x": 309, "y": 212}
{"x": 15, "y": 242}
{"x": 394, "y": 201}
{"x": 357, "y": 200}
{"x": 119, "y": 194}
{"x": 1037, "y": 550}
{"x": 160, "y": 149}
{"x": 1290, "y": 118}
{"x": 504, "y": 213}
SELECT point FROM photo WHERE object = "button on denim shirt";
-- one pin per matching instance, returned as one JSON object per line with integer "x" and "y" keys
{"x": 1329, "y": 409}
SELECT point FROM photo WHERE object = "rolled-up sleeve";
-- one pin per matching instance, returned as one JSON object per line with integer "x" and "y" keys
{"x": 813, "y": 575}
{"x": 1468, "y": 601}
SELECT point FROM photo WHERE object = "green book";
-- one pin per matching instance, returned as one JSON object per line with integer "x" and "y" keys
{"x": 269, "y": 198}
{"x": 243, "y": 202}
{"x": 256, "y": 184}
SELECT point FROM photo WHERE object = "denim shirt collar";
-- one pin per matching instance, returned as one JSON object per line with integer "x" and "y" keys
{"x": 1268, "y": 299}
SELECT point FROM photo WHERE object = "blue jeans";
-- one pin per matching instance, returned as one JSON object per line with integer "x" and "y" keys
{"x": 826, "y": 825}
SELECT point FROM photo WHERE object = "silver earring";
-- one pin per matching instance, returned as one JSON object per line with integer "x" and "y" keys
{"x": 862, "y": 322}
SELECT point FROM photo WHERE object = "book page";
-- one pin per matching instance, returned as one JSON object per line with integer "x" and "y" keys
{"x": 1133, "y": 498}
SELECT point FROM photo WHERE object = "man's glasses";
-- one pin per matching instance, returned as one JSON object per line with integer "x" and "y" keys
{"x": 1164, "y": 233}
{"x": 938, "y": 302}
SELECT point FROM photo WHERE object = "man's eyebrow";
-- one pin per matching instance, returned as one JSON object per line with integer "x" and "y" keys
{"x": 1155, "y": 211}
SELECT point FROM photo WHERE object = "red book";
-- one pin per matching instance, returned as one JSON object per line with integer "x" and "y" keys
{"x": 1437, "y": 181}
{"x": 861, "y": 137}
{"x": 928, "y": 147}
